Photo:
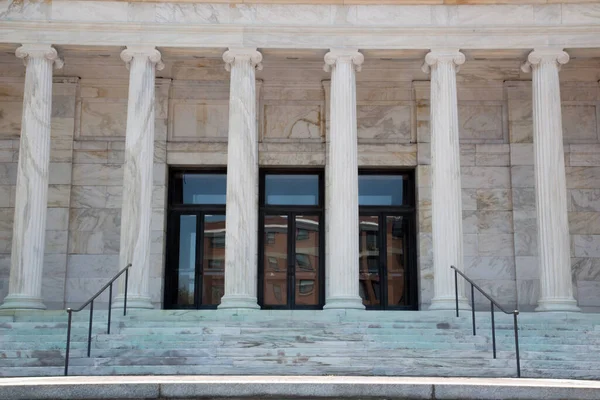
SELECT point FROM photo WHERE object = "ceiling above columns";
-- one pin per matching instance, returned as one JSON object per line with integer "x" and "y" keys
{"x": 305, "y": 65}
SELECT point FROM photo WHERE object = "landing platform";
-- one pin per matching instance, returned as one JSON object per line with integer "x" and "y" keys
{"x": 293, "y": 387}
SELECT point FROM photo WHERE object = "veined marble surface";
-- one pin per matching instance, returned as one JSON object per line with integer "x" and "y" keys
{"x": 218, "y": 24}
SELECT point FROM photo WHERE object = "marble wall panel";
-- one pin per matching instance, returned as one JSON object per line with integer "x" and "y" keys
{"x": 580, "y": 123}
{"x": 10, "y": 118}
{"x": 481, "y": 122}
{"x": 469, "y": 199}
{"x": 385, "y": 123}
{"x": 398, "y": 155}
{"x": 287, "y": 154}
{"x": 494, "y": 199}
{"x": 586, "y": 245}
{"x": 193, "y": 120}
{"x": 583, "y": 177}
{"x": 293, "y": 122}
{"x": 584, "y": 199}
{"x": 485, "y": 177}
{"x": 103, "y": 119}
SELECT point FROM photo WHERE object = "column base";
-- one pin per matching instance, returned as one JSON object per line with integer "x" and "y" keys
{"x": 229, "y": 301}
{"x": 558, "y": 304}
{"x": 22, "y": 302}
{"x": 133, "y": 302}
{"x": 337, "y": 303}
{"x": 448, "y": 303}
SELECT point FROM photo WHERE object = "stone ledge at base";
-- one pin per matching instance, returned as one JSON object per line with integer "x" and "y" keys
{"x": 294, "y": 387}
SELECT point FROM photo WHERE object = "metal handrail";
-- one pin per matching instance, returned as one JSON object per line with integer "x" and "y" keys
{"x": 90, "y": 302}
{"x": 493, "y": 303}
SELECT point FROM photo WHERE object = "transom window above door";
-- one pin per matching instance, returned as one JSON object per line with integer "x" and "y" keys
{"x": 199, "y": 188}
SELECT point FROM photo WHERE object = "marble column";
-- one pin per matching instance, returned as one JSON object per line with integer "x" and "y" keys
{"x": 556, "y": 291}
{"x": 446, "y": 197}
{"x": 241, "y": 237}
{"x": 342, "y": 218}
{"x": 136, "y": 214}
{"x": 29, "y": 228}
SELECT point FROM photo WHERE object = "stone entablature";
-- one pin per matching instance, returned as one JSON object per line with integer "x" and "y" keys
{"x": 369, "y": 2}
{"x": 303, "y": 26}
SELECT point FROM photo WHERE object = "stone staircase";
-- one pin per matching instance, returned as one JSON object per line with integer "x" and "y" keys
{"x": 422, "y": 343}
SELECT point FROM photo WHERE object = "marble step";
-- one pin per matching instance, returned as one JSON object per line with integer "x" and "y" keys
{"x": 306, "y": 352}
{"x": 255, "y": 352}
{"x": 264, "y": 370}
{"x": 171, "y": 330}
{"x": 456, "y": 337}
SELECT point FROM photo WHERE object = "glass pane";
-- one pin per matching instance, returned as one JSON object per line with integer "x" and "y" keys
{"x": 275, "y": 260}
{"x": 396, "y": 232}
{"x": 307, "y": 260}
{"x": 204, "y": 188}
{"x": 186, "y": 271}
{"x": 213, "y": 262}
{"x": 380, "y": 190}
{"x": 299, "y": 190}
{"x": 369, "y": 260}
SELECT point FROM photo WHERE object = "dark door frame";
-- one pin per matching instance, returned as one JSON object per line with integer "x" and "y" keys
{"x": 406, "y": 210}
{"x": 291, "y": 212}
{"x": 175, "y": 210}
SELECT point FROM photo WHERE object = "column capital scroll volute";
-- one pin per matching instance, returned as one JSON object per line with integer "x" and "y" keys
{"x": 243, "y": 53}
{"x": 352, "y": 56}
{"x": 548, "y": 55}
{"x": 149, "y": 52}
{"x": 436, "y": 56}
{"x": 46, "y": 51}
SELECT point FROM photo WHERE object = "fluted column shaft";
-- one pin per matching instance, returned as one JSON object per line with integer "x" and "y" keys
{"x": 241, "y": 224}
{"x": 29, "y": 228}
{"x": 136, "y": 213}
{"x": 446, "y": 222}
{"x": 556, "y": 291}
{"x": 342, "y": 218}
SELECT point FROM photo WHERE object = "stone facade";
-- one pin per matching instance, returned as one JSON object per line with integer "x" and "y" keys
{"x": 499, "y": 231}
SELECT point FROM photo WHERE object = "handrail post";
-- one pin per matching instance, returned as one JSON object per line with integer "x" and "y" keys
{"x": 90, "y": 328}
{"x": 473, "y": 308}
{"x": 456, "y": 288}
{"x": 125, "y": 299}
{"x": 70, "y": 312}
{"x": 109, "y": 308}
{"x": 493, "y": 329}
{"x": 516, "y": 326}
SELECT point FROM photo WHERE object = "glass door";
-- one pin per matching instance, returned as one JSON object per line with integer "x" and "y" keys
{"x": 383, "y": 261}
{"x": 195, "y": 262}
{"x": 291, "y": 243}
{"x": 291, "y": 261}
{"x": 387, "y": 243}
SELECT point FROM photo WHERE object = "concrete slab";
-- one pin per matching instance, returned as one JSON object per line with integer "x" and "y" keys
{"x": 297, "y": 387}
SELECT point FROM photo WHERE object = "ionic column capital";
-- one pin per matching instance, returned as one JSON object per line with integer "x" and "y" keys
{"x": 242, "y": 54}
{"x": 439, "y": 56}
{"x": 27, "y": 51}
{"x": 549, "y": 55}
{"x": 148, "y": 52}
{"x": 344, "y": 55}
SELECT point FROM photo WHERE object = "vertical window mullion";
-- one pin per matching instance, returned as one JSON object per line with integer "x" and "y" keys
{"x": 291, "y": 278}
{"x": 199, "y": 258}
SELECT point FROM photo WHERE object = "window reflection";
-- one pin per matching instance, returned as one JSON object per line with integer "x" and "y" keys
{"x": 300, "y": 190}
{"x": 369, "y": 259}
{"x": 186, "y": 273}
{"x": 213, "y": 284}
{"x": 381, "y": 190}
{"x": 275, "y": 256}
{"x": 204, "y": 188}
